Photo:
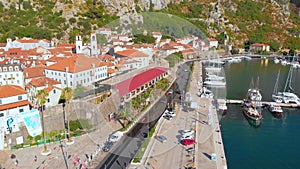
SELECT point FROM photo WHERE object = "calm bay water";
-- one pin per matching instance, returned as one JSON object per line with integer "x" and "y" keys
{"x": 276, "y": 143}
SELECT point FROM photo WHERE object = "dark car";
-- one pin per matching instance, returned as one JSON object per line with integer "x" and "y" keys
{"x": 107, "y": 146}
{"x": 168, "y": 117}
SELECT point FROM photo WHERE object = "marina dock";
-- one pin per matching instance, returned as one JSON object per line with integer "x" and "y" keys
{"x": 266, "y": 103}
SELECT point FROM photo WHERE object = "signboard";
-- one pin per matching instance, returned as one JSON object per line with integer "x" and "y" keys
{"x": 32, "y": 122}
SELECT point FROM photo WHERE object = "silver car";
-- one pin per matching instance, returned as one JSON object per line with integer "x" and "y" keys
{"x": 161, "y": 138}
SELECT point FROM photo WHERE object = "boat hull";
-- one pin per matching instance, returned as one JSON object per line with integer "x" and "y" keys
{"x": 254, "y": 121}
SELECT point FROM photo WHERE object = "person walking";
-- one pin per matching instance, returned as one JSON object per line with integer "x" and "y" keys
{"x": 16, "y": 162}
{"x": 35, "y": 158}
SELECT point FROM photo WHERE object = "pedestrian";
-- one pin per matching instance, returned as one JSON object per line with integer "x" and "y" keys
{"x": 16, "y": 162}
{"x": 35, "y": 158}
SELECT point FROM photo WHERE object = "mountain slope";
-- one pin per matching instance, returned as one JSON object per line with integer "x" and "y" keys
{"x": 276, "y": 22}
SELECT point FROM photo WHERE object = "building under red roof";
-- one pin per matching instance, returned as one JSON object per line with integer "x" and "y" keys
{"x": 259, "y": 44}
{"x": 133, "y": 83}
{"x": 11, "y": 90}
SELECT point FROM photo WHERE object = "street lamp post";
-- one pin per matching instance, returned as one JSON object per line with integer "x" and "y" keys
{"x": 69, "y": 141}
{"x": 45, "y": 151}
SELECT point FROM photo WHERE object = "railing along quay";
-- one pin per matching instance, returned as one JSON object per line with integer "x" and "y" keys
{"x": 266, "y": 103}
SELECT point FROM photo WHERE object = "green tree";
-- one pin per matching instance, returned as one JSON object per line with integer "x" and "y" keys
{"x": 66, "y": 94}
{"x": 274, "y": 46}
{"x": 126, "y": 115}
{"x": 72, "y": 20}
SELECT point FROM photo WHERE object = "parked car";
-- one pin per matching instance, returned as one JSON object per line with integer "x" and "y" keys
{"x": 188, "y": 142}
{"x": 161, "y": 138}
{"x": 187, "y": 132}
{"x": 115, "y": 136}
{"x": 107, "y": 146}
{"x": 190, "y": 150}
{"x": 168, "y": 117}
{"x": 170, "y": 113}
{"x": 186, "y": 137}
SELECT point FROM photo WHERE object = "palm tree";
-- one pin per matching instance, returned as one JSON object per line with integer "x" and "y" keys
{"x": 41, "y": 100}
{"x": 67, "y": 94}
{"x": 126, "y": 115}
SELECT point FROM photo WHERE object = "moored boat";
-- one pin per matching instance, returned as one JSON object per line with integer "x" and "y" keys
{"x": 253, "y": 114}
{"x": 275, "y": 109}
{"x": 252, "y": 105}
{"x": 222, "y": 106}
{"x": 288, "y": 95}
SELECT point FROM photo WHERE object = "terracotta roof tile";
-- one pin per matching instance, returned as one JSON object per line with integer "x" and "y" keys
{"x": 50, "y": 88}
{"x": 2, "y": 44}
{"x": 259, "y": 44}
{"x": 43, "y": 81}
{"x": 66, "y": 45}
{"x": 28, "y": 40}
{"x": 132, "y": 53}
{"x": 212, "y": 39}
{"x": 76, "y": 63}
{"x": 11, "y": 90}
{"x": 34, "y": 72}
{"x": 14, "y": 105}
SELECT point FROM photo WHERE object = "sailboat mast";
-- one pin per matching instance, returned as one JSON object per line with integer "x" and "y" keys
{"x": 288, "y": 80}
{"x": 275, "y": 90}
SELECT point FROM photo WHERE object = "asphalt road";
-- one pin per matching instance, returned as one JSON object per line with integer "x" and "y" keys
{"x": 122, "y": 153}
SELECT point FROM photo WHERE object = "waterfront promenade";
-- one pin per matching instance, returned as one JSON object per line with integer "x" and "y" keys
{"x": 208, "y": 135}
{"x": 209, "y": 138}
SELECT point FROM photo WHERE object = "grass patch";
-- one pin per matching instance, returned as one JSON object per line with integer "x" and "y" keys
{"x": 138, "y": 156}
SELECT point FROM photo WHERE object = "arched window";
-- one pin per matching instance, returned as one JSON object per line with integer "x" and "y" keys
{"x": 16, "y": 68}
{"x": 93, "y": 38}
{"x": 5, "y": 69}
{"x": 10, "y": 68}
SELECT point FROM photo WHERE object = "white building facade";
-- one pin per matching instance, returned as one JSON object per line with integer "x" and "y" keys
{"x": 73, "y": 72}
{"x": 11, "y": 74}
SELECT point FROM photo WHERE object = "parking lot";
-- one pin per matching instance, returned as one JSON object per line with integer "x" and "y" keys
{"x": 172, "y": 154}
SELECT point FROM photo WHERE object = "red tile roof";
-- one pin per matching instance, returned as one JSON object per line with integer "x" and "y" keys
{"x": 130, "y": 84}
{"x": 11, "y": 90}
{"x": 50, "y": 88}
{"x": 43, "y": 81}
{"x": 258, "y": 44}
{"x": 132, "y": 53}
{"x": 76, "y": 63}
{"x": 2, "y": 44}
{"x": 212, "y": 39}
{"x": 34, "y": 72}
{"x": 66, "y": 45}
{"x": 28, "y": 40}
{"x": 14, "y": 105}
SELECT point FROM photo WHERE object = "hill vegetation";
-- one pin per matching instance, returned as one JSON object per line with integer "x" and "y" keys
{"x": 234, "y": 21}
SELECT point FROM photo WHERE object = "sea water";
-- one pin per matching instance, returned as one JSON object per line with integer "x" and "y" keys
{"x": 275, "y": 144}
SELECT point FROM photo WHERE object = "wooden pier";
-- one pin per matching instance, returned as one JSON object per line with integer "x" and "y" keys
{"x": 230, "y": 101}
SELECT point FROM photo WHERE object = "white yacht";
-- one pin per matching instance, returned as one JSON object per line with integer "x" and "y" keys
{"x": 205, "y": 93}
{"x": 276, "y": 61}
{"x": 214, "y": 82}
{"x": 214, "y": 77}
{"x": 287, "y": 96}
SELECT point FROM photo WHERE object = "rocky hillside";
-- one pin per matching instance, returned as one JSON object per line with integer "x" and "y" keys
{"x": 276, "y": 22}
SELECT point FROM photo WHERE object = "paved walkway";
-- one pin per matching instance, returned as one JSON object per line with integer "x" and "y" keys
{"x": 209, "y": 134}
{"x": 85, "y": 147}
